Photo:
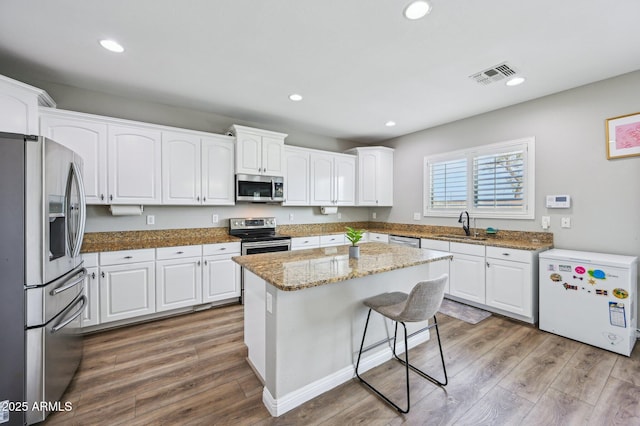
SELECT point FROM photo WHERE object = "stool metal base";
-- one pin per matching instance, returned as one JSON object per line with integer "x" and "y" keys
{"x": 404, "y": 362}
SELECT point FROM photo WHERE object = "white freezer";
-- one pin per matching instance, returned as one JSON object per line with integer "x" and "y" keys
{"x": 589, "y": 297}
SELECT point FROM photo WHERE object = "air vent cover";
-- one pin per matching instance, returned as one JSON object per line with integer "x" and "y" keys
{"x": 493, "y": 74}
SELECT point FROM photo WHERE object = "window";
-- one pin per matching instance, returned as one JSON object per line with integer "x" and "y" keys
{"x": 493, "y": 181}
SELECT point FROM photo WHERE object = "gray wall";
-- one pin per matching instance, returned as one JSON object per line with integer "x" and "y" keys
{"x": 569, "y": 128}
{"x": 167, "y": 217}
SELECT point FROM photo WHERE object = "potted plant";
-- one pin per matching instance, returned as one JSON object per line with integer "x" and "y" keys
{"x": 354, "y": 236}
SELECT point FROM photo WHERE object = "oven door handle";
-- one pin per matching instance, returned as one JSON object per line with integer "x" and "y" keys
{"x": 62, "y": 325}
{"x": 272, "y": 243}
{"x": 83, "y": 274}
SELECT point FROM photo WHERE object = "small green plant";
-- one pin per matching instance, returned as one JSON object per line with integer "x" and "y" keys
{"x": 354, "y": 235}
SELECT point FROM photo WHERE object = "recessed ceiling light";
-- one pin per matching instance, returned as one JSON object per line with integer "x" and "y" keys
{"x": 390, "y": 123}
{"x": 417, "y": 9}
{"x": 295, "y": 97}
{"x": 515, "y": 81}
{"x": 112, "y": 46}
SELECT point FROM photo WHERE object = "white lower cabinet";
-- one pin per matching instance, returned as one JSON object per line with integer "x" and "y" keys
{"x": 178, "y": 277}
{"x": 127, "y": 291}
{"x": 466, "y": 278}
{"x": 220, "y": 274}
{"x": 438, "y": 268}
{"x": 509, "y": 280}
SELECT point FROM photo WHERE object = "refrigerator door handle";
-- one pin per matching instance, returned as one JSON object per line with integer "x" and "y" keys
{"x": 75, "y": 177}
{"x": 63, "y": 324}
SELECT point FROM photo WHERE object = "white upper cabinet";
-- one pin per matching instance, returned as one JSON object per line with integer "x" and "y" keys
{"x": 196, "y": 170}
{"x": 181, "y": 164}
{"x": 296, "y": 176}
{"x": 86, "y": 137}
{"x": 259, "y": 152}
{"x": 134, "y": 155}
{"x": 217, "y": 170}
{"x": 19, "y": 106}
{"x": 332, "y": 179}
{"x": 374, "y": 176}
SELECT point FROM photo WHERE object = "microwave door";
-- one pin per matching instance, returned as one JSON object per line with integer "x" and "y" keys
{"x": 76, "y": 210}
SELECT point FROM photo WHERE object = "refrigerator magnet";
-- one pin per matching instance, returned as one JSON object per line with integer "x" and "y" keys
{"x": 597, "y": 274}
{"x": 620, "y": 293}
{"x": 616, "y": 314}
{"x": 555, "y": 277}
{"x": 580, "y": 270}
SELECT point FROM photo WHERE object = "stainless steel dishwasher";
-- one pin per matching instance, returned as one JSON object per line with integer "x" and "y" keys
{"x": 405, "y": 241}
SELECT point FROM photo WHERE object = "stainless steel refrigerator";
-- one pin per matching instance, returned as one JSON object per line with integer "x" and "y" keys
{"x": 42, "y": 218}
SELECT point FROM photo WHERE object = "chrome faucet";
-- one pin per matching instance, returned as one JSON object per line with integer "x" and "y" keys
{"x": 465, "y": 225}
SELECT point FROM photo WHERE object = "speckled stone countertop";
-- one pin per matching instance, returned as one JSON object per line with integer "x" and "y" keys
{"x": 521, "y": 240}
{"x": 130, "y": 240}
{"x": 297, "y": 270}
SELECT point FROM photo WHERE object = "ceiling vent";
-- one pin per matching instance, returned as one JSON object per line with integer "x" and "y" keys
{"x": 493, "y": 74}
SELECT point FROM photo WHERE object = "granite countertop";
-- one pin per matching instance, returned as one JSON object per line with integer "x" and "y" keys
{"x": 131, "y": 240}
{"x": 297, "y": 270}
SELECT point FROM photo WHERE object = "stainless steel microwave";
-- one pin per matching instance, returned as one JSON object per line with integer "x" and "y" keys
{"x": 259, "y": 189}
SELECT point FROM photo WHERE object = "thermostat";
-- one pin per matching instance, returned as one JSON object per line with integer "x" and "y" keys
{"x": 558, "y": 201}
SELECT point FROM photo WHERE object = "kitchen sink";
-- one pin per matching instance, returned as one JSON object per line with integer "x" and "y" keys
{"x": 461, "y": 237}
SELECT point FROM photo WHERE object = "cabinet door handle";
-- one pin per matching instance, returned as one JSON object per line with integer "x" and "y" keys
{"x": 205, "y": 263}
{"x": 198, "y": 263}
{"x": 204, "y": 199}
{"x": 93, "y": 275}
{"x": 111, "y": 197}
{"x": 101, "y": 197}
{"x": 488, "y": 264}
{"x": 102, "y": 274}
{"x": 198, "y": 198}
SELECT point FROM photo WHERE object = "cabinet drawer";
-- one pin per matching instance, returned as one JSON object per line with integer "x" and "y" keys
{"x": 434, "y": 244}
{"x": 222, "y": 248}
{"x": 509, "y": 254}
{"x": 471, "y": 249}
{"x": 127, "y": 256}
{"x": 332, "y": 240}
{"x": 299, "y": 243}
{"x": 90, "y": 260}
{"x": 178, "y": 252}
{"x": 380, "y": 238}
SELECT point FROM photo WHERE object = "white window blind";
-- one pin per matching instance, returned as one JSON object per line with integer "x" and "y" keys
{"x": 492, "y": 181}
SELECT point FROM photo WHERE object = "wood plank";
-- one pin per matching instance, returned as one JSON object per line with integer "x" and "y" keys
{"x": 498, "y": 407}
{"x": 558, "y": 408}
{"x": 541, "y": 367}
{"x": 618, "y": 404}
{"x": 628, "y": 368}
{"x": 586, "y": 373}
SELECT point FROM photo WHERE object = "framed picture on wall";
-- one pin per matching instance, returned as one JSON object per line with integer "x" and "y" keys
{"x": 623, "y": 136}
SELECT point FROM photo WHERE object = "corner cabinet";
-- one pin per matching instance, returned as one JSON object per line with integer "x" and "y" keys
{"x": 197, "y": 170}
{"x": 258, "y": 152}
{"x": 19, "y": 106}
{"x": 374, "y": 176}
{"x": 332, "y": 179}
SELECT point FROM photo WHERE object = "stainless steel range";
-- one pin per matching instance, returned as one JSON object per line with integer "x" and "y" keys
{"x": 258, "y": 235}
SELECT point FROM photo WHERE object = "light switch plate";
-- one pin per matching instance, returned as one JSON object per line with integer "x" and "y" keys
{"x": 416, "y": 216}
{"x": 373, "y": 215}
{"x": 565, "y": 222}
{"x": 546, "y": 222}
{"x": 214, "y": 218}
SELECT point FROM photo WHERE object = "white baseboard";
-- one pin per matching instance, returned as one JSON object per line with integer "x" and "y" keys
{"x": 288, "y": 402}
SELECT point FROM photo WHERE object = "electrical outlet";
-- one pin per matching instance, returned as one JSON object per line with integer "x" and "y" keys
{"x": 416, "y": 216}
{"x": 269, "y": 303}
{"x": 546, "y": 222}
{"x": 339, "y": 215}
{"x": 151, "y": 219}
{"x": 373, "y": 215}
{"x": 290, "y": 217}
{"x": 214, "y": 218}
{"x": 565, "y": 222}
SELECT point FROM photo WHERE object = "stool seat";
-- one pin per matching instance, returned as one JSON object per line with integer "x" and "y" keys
{"x": 420, "y": 305}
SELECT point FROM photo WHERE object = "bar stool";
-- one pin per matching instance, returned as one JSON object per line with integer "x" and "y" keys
{"x": 421, "y": 304}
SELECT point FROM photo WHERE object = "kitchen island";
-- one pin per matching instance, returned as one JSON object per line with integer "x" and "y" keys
{"x": 304, "y": 316}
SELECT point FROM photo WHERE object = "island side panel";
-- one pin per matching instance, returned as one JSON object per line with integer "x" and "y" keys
{"x": 316, "y": 332}
{"x": 254, "y": 321}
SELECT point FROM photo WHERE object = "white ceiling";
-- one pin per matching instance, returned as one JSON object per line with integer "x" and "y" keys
{"x": 358, "y": 63}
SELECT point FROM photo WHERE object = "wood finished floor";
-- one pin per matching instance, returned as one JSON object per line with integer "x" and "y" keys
{"x": 191, "y": 370}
